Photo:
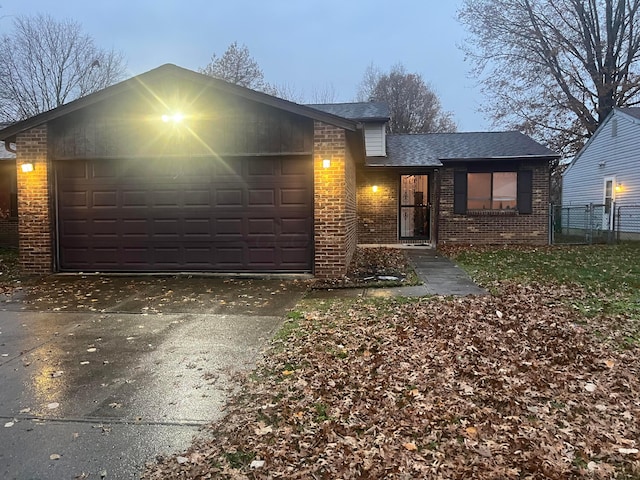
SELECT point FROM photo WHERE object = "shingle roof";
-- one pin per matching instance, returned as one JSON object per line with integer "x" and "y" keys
{"x": 633, "y": 111}
{"x": 355, "y": 111}
{"x": 430, "y": 149}
{"x": 179, "y": 75}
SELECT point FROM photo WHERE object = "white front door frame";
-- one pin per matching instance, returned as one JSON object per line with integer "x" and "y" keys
{"x": 608, "y": 199}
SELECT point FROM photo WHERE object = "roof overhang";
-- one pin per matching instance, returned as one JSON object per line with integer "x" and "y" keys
{"x": 501, "y": 159}
{"x": 166, "y": 71}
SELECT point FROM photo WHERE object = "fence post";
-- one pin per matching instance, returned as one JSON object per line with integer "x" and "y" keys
{"x": 612, "y": 224}
{"x": 590, "y": 220}
{"x": 617, "y": 224}
{"x": 551, "y": 224}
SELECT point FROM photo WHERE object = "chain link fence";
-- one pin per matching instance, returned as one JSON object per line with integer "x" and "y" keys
{"x": 593, "y": 223}
{"x": 627, "y": 223}
{"x": 581, "y": 224}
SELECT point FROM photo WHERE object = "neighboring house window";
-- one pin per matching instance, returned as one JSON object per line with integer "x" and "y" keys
{"x": 493, "y": 192}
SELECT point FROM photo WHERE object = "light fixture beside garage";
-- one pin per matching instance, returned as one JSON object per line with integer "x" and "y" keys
{"x": 374, "y": 188}
{"x": 326, "y": 163}
{"x": 173, "y": 118}
{"x": 27, "y": 167}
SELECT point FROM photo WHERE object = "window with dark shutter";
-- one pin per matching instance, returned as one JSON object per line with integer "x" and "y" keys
{"x": 494, "y": 192}
{"x": 525, "y": 192}
{"x": 460, "y": 192}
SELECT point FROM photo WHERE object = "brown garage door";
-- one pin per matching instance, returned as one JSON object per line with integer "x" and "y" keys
{"x": 240, "y": 215}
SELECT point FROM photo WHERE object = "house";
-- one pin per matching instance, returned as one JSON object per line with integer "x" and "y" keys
{"x": 606, "y": 172}
{"x": 8, "y": 199}
{"x": 174, "y": 171}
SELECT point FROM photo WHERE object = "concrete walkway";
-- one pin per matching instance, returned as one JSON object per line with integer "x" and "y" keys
{"x": 440, "y": 276}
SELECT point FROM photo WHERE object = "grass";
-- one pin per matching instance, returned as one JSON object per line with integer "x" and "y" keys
{"x": 610, "y": 274}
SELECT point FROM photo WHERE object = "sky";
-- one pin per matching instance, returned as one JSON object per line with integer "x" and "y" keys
{"x": 310, "y": 46}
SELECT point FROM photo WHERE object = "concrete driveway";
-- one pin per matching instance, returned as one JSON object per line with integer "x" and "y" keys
{"x": 98, "y": 375}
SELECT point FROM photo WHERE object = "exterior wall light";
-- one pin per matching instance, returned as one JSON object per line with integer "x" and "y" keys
{"x": 326, "y": 163}
{"x": 619, "y": 188}
{"x": 27, "y": 167}
{"x": 374, "y": 188}
{"x": 174, "y": 118}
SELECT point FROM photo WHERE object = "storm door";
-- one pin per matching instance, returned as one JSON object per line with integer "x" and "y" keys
{"x": 414, "y": 207}
{"x": 608, "y": 200}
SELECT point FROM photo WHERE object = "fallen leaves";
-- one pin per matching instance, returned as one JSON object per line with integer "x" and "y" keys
{"x": 516, "y": 383}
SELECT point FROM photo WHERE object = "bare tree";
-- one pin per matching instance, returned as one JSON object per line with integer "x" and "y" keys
{"x": 47, "y": 63}
{"x": 236, "y": 66}
{"x": 368, "y": 83}
{"x": 323, "y": 94}
{"x": 413, "y": 105}
{"x": 554, "y": 68}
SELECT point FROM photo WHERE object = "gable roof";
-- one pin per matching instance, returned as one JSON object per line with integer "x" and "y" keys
{"x": 431, "y": 149}
{"x": 363, "y": 111}
{"x": 180, "y": 74}
{"x": 632, "y": 111}
{"x": 632, "y": 114}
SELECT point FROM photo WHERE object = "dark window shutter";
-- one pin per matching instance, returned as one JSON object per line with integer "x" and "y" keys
{"x": 460, "y": 192}
{"x": 525, "y": 192}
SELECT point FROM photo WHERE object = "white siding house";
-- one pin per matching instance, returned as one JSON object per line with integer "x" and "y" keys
{"x": 607, "y": 169}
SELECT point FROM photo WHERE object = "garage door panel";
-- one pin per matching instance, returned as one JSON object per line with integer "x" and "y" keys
{"x": 262, "y": 197}
{"x": 294, "y": 197}
{"x": 229, "y": 197}
{"x": 229, "y": 227}
{"x": 260, "y": 167}
{"x": 295, "y": 167}
{"x": 197, "y": 227}
{"x": 294, "y": 256}
{"x": 73, "y": 170}
{"x": 261, "y": 226}
{"x": 107, "y": 198}
{"x": 103, "y": 171}
{"x": 197, "y": 198}
{"x": 73, "y": 199}
{"x": 238, "y": 215}
{"x": 230, "y": 256}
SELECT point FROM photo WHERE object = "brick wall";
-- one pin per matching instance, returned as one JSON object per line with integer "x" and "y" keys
{"x": 34, "y": 218}
{"x": 377, "y": 211}
{"x": 8, "y": 232}
{"x": 496, "y": 229}
{"x": 335, "y": 202}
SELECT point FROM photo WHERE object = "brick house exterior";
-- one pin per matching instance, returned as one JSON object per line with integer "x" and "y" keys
{"x": 335, "y": 201}
{"x": 255, "y": 183}
{"x": 8, "y": 199}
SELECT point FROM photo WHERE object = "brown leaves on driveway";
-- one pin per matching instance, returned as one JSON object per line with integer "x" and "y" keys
{"x": 515, "y": 385}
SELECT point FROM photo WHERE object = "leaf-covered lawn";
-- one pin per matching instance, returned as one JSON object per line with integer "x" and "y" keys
{"x": 519, "y": 384}
{"x": 9, "y": 270}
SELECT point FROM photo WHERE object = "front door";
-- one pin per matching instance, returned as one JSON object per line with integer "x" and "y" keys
{"x": 414, "y": 207}
{"x": 608, "y": 201}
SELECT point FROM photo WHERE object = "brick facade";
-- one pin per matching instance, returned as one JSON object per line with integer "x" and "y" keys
{"x": 334, "y": 201}
{"x": 8, "y": 232}
{"x": 377, "y": 211}
{"x": 496, "y": 229}
{"x": 34, "y": 200}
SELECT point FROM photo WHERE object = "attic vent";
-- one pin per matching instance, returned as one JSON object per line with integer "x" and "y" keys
{"x": 614, "y": 127}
